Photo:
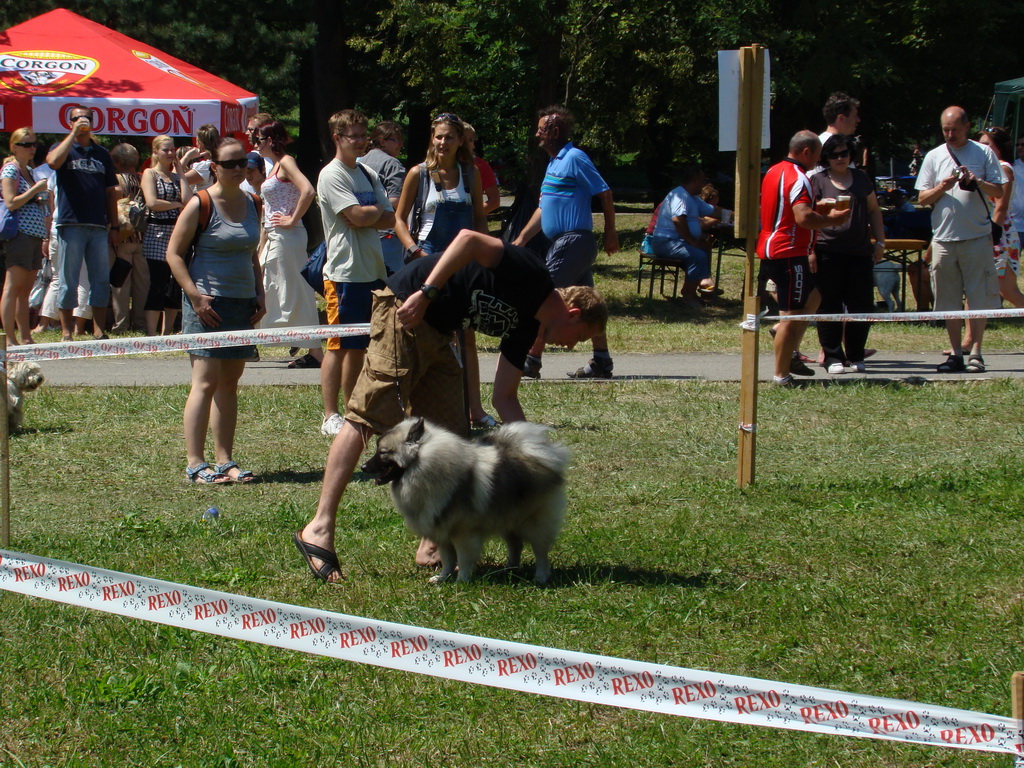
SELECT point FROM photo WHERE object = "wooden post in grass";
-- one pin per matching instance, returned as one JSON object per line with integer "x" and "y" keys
{"x": 748, "y": 198}
{"x": 1017, "y": 701}
{"x": 5, "y": 455}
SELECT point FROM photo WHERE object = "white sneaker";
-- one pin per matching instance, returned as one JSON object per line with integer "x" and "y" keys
{"x": 836, "y": 368}
{"x": 856, "y": 368}
{"x": 332, "y": 425}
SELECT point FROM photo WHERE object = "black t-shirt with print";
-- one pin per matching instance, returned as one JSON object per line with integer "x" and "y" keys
{"x": 499, "y": 302}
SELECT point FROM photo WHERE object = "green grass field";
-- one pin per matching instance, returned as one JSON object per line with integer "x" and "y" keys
{"x": 875, "y": 554}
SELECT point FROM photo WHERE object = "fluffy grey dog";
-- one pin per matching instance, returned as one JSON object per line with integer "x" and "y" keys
{"x": 21, "y": 378}
{"x": 458, "y": 493}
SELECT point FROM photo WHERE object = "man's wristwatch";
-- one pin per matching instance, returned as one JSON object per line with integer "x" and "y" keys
{"x": 430, "y": 291}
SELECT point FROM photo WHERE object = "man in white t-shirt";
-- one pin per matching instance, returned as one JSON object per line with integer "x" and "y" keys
{"x": 956, "y": 178}
{"x": 353, "y": 206}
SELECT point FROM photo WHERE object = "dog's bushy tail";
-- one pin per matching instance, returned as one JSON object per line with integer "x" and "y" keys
{"x": 530, "y": 442}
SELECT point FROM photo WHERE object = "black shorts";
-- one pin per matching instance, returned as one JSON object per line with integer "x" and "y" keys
{"x": 793, "y": 281}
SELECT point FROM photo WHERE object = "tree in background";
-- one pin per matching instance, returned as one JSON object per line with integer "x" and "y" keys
{"x": 640, "y": 75}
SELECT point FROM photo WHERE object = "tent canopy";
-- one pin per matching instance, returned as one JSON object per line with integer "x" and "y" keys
{"x": 60, "y": 60}
{"x": 1007, "y": 93}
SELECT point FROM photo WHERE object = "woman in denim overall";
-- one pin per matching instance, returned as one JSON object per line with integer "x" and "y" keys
{"x": 441, "y": 197}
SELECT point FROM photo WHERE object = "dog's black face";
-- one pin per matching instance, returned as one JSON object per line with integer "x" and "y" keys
{"x": 397, "y": 450}
{"x": 384, "y": 466}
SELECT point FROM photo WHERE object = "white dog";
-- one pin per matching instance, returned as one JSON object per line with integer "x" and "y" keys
{"x": 21, "y": 378}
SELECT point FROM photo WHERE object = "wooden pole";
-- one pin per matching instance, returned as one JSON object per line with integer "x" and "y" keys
{"x": 748, "y": 199}
{"x": 5, "y": 455}
{"x": 1017, "y": 699}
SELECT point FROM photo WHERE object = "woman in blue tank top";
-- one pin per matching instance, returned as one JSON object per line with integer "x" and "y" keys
{"x": 223, "y": 289}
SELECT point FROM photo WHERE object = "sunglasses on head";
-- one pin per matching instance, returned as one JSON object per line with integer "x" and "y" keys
{"x": 26, "y": 143}
{"x": 449, "y": 117}
{"x": 230, "y": 164}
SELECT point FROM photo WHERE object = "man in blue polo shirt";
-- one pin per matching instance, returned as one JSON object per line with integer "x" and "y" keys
{"x": 570, "y": 184}
{"x": 86, "y": 220}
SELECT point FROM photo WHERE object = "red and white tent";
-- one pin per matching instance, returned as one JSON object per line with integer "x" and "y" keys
{"x": 61, "y": 60}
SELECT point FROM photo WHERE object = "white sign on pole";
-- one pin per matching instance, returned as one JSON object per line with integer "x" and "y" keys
{"x": 729, "y": 100}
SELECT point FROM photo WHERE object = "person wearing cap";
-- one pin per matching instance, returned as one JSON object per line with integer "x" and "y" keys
{"x": 255, "y": 173}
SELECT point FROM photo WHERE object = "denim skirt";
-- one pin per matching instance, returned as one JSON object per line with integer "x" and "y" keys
{"x": 235, "y": 315}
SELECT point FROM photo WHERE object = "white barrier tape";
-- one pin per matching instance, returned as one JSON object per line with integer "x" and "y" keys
{"x": 181, "y": 342}
{"x": 753, "y": 322}
{"x": 895, "y": 317}
{"x": 515, "y": 666}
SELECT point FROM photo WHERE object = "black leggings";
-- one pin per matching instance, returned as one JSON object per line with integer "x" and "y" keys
{"x": 845, "y": 282}
{"x": 163, "y": 290}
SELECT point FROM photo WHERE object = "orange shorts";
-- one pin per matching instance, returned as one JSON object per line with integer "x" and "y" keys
{"x": 349, "y": 304}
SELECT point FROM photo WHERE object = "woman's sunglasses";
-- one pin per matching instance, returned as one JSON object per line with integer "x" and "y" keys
{"x": 838, "y": 155}
{"x": 230, "y": 164}
{"x": 26, "y": 143}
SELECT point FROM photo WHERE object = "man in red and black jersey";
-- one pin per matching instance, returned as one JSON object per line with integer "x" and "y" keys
{"x": 786, "y": 240}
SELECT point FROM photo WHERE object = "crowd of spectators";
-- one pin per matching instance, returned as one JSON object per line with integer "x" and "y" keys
{"x": 215, "y": 231}
{"x": 90, "y": 253}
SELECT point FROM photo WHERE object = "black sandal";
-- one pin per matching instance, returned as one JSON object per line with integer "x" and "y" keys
{"x": 329, "y": 560}
{"x": 306, "y": 361}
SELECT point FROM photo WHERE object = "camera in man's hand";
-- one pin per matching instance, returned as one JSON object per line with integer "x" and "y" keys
{"x": 965, "y": 183}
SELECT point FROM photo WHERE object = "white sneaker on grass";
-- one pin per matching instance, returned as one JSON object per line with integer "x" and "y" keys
{"x": 332, "y": 425}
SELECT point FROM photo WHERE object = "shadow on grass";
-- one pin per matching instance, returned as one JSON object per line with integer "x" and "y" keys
{"x": 665, "y": 309}
{"x": 63, "y": 429}
{"x": 564, "y": 578}
{"x": 874, "y": 382}
{"x": 306, "y": 477}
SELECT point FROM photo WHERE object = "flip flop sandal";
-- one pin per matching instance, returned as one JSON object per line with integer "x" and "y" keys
{"x": 485, "y": 422}
{"x": 243, "y": 476}
{"x": 306, "y": 361}
{"x": 201, "y": 474}
{"x": 329, "y": 560}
